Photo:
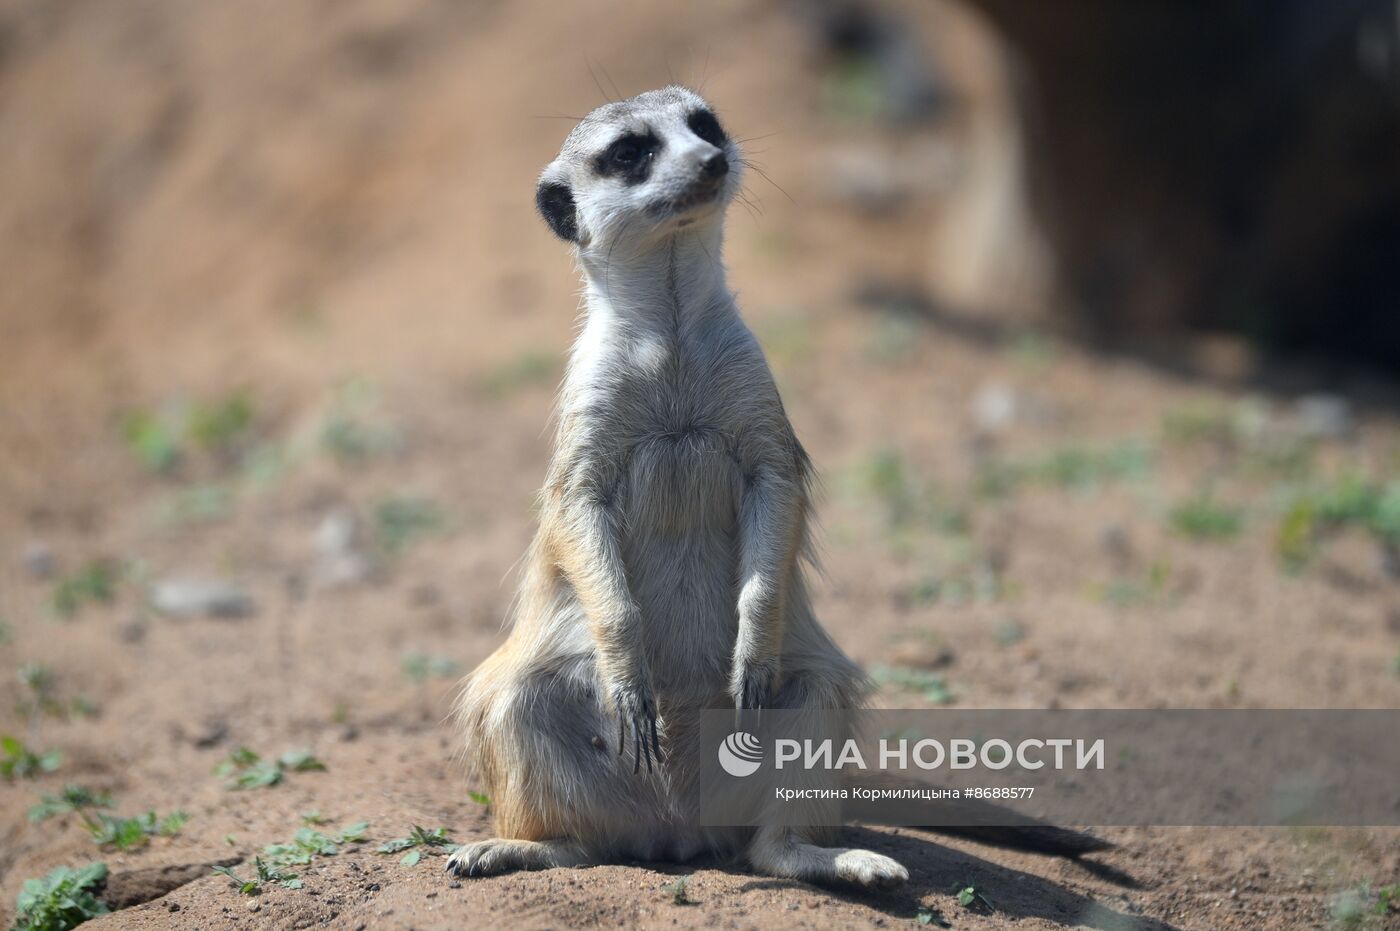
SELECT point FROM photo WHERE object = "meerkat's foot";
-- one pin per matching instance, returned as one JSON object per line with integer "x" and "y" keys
{"x": 869, "y": 869}
{"x": 828, "y": 865}
{"x": 504, "y": 855}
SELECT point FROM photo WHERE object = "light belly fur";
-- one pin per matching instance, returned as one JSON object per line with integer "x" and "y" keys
{"x": 681, "y": 551}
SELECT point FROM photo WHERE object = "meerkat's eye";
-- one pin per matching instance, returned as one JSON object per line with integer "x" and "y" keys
{"x": 626, "y": 151}
{"x": 629, "y": 156}
{"x": 704, "y": 125}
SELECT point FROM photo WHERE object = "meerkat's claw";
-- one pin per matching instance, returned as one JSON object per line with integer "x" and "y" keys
{"x": 752, "y": 687}
{"x": 637, "y": 708}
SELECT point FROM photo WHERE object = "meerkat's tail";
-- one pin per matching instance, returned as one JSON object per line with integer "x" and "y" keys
{"x": 984, "y": 822}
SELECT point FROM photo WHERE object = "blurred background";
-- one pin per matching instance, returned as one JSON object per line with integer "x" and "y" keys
{"x": 1089, "y": 313}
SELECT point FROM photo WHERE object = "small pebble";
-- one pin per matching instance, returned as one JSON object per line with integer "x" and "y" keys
{"x": 196, "y": 597}
{"x": 39, "y": 560}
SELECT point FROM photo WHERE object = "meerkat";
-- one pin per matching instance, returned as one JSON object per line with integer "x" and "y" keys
{"x": 667, "y": 573}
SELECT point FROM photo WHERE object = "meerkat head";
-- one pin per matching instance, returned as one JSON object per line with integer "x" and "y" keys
{"x": 640, "y": 168}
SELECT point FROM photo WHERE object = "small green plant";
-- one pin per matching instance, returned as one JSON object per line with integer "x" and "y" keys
{"x": 1200, "y": 422}
{"x": 680, "y": 891}
{"x": 18, "y": 761}
{"x": 203, "y": 503}
{"x": 1135, "y": 591}
{"x": 244, "y": 769}
{"x": 1032, "y": 350}
{"x": 93, "y": 583}
{"x": 310, "y": 843}
{"x": 970, "y": 898}
{"x": 40, "y": 682}
{"x": 301, "y": 760}
{"x": 1009, "y": 632}
{"x": 220, "y": 426}
{"x": 131, "y": 833}
{"x": 351, "y": 441}
{"x": 1355, "y": 909}
{"x": 931, "y": 686}
{"x": 419, "y": 667}
{"x": 851, "y": 89}
{"x": 152, "y": 440}
{"x": 1077, "y": 468}
{"x": 313, "y": 818}
{"x": 63, "y": 899}
{"x": 909, "y": 503}
{"x": 72, "y": 799}
{"x": 419, "y": 841}
{"x": 929, "y": 916}
{"x": 1320, "y": 509}
{"x": 1295, "y": 540}
{"x": 1203, "y": 518}
{"x": 161, "y": 440}
{"x": 263, "y": 873}
{"x": 481, "y": 798}
{"x": 977, "y": 584}
{"x": 401, "y": 520}
{"x": 353, "y": 432}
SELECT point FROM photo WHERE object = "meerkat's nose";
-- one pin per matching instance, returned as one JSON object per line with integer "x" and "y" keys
{"x": 715, "y": 166}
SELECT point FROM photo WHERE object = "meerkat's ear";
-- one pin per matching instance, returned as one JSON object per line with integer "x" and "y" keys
{"x": 556, "y": 204}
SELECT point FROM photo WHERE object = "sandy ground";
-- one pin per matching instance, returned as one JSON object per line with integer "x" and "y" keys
{"x": 328, "y": 210}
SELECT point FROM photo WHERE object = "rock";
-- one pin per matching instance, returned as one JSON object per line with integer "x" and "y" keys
{"x": 39, "y": 560}
{"x": 198, "y": 597}
{"x": 208, "y": 733}
{"x": 1117, "y": 545}
{"x": 339, "y": 557}
{"x": 994, "y": 407}
{"x": 1324, "y": 417}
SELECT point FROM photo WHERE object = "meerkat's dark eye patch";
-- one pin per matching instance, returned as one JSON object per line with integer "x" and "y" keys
{"x": 704, "y": 125}
{"x": 556, "y": 204}
{"x": 628, "y": 158}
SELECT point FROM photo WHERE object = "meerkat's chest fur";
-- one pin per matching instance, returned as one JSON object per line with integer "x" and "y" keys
{"x": 671, "y": 382}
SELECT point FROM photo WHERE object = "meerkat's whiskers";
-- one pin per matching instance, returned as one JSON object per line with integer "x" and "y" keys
{"x": 752, "y": 166}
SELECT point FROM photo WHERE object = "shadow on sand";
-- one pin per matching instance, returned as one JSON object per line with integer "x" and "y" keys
{"x": 938, "y": 870}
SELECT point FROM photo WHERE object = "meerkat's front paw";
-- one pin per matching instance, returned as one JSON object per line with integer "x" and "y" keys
{"x": 752, "y": 685}
{"x": 499, "y": 855}
{"x": 636, "y": 708}
{"x": 869, "y": 869}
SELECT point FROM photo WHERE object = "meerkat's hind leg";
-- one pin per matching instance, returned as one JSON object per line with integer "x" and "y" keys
{"x": 815, "y": 699}
{"x": 505, "y": 855}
